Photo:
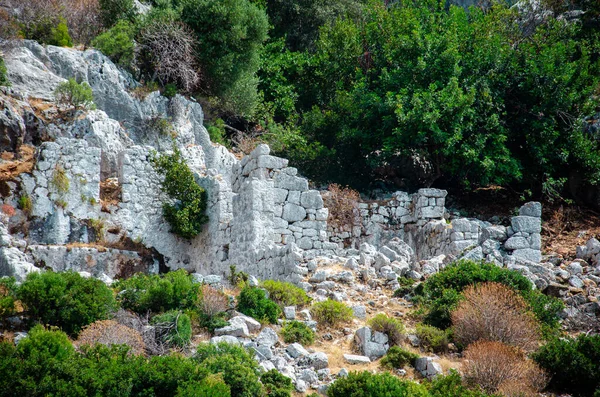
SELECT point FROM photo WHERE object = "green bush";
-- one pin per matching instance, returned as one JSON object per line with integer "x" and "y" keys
{"x": 142, "y": 293}
{"x": 390, "y": 326}
{"x": 397, "y": 357}
{"x": 169, "y": 90}
{"x": 296, "y": 331}
{"x": 117, "y": 43}
{"x": 115, "y": 11}
{"x": 434, "y": 339}
{"x": 253, "y": 302}
{"x": 286, "y": 294}
{"x": 406, "y": 287}
{"x": 3, "y": 79}
{"x": 187, "y": 213}
{"x": 76, "y": 95}
{"x": 8, "y": 296}
{"x": 238, "y": 367}
{"x": 573, "y": 364}
{"x": 230, "y": 35}
{"x": 216, "y": 131}
{"x": 452, "y": 386}
{"x": 330, "y": 313}
{"x": 277, "y": 384}
{"x": 441, "y": 292}
{"x": 60, "y": 35}
{"x": 366, "y": 384}
{"x": 173, "y": 328}
{"x": 66, "y": 299}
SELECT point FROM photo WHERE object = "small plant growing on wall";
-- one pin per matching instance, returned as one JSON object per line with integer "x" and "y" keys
{"x": 76, "y": 95}
{"x": 60, "y": 180}
{"x": 186, "y": 213}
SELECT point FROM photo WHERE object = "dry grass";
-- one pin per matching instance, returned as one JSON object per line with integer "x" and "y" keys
{"x": 494, "y": 366}
{"x": 110, "y": 193}
{"x": 109, "y": 332}
{"x": 342, "y": 204}
{"x": 213, "y": 301}
{"x": 494, "y": 312}
{"x": 11, "y": 169}
{"x": 565, "y": 228}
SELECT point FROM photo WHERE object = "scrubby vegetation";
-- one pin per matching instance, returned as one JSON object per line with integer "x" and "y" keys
{"x": 433, "y": 338}
{"x": 187, "y": 212}
{"x": 330, "y": 313}
{"x": 254, "y": 303}
{"x": 285, "y": 294}
{"x": 3, "y": 79}
{"x": 398, "y": 357}
{"x": 296, "y": 331}
{"x": 390, "y": 326}
{"x": 77, "y": 95}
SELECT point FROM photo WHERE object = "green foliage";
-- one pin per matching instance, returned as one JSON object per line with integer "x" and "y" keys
{"x": 161, "y": 126}
{"x": 60, "y": 35}
{"x": 433, "y": 338}
{"x": 172, "y": 291}
{"x": 76, "y": 95}
{"x": 174, "y": 328}
{"x": 390, "y": 326}
{"x": 8, "y": 296}
{"x": 230, "y": 33}
{"x": 216, "y": 131}
{"x": 452, "y": 386}
{"x": 237, "y": 366}
{"x": 60, "y": 180}
{"x": 366, "y": 384}
{"x": 213, "y": 322}
{"x": 170, "y": 90}
{"x": 237, "y": 278}
{"x": 25, "y": 203}
{"x": 296, "y": 331}
{"x": 442, "y": 291}
{"x": 186, "y": 214}
{"x": 3, "y": 78}
{"x": 253, "y": 302}
{"x": 286, "y": 294}
{"x": 330, "y": 313}
{"x": 115, "y": 11}
{"x": 117, "y": 43}
{"x": 65, "y": 299}
{"x": 406, "y": 287}
{"x": 574, "y": 364}
{"x": 397, "y": 357}
{"x": 276, "y": 384}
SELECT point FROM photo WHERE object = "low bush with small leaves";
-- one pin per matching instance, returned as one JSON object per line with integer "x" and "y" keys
{"x": 285, "y": 294}
{"x": 493, "y": 366}
{"x": 330, "y": 313}
{"x": 494, "y": 312}
{"x": 407, "y": 286}
{"x": 434, "y": 339}
{"x": 363, "y": 384}
{"x": 118, "y": 43}
{"x": 8, "y": 296}
{"x": 296, "y": 331}
{"x": 276, "y": 384}
{"x": 76, "y": 95}
{"x": 212, "y": 307}
{"x": 173, "y": 328}
{"x": 253, "y": 302}
{"x": 65, "y": 299}
{"x": 142, "y": 293}
{"x": 452, "y": 386}
{"x": 397, "y": 358}
{"x": 109, "y": 332}
{"x": 342, "y": 203}
{"x": 3, "y": 79}
{"x": 573, "y": 363}
{"x": 390, "y": 326}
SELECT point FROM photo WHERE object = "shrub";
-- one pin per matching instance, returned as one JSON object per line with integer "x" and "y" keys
{"x": 392, "y": 327}
{"x": 363, "y": 384}
{"x": 494, "y": 312}
{"x": 573, "y": 363}
{"x": 330, "y": 313}
{"x": 442, "y": 291}
{"x": 25, "y": 204}
{"x": 406, "y": 287}
{"x": 169, "y": 90}
{"x": 238, "y": 367}
{"x": 253, "y": 302}
{"x": 296, "y": 331}
{"x": 3, "y": 79}
{"x": 169, "y": 47}
{"x": 276, "y": 384}
{"x": 397, "y": 357}
{"x": 452, "y": 386}
{"x": 112, "y": 11}
{"x": 216, "y": 131}
{"x": 109, "y": 332}
{"x": 285, "y": 294}
{"x": 494, "y": 365}
{"x": 76, "y": 95}
{"x": 433, "y": 338}
{"x": 173, "y": 328}
{"x": 212, "y": 301}
{"x": 342, "y": 204}
{"x": 142, "y": 293}
{"x": 65, "y": 299}
{"x": 8, "y": 296}
{"x": 161, "y": 126}
{"x": 60, "y": 35}
{"x": 117, "y": 43}
{"x": 186, "y": 214}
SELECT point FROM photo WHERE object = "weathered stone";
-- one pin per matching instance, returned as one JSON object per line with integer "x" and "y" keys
{"x": 267, "y": 337}
{"x": 311, "y": 199}
{"x": 354, "y": 359}
{"x": 296, "y": 350}
{"x": 318, "y": 360}
{"x": 526, "y": 224}
{"x": 533, "y": 208}
{"x": 293, "y": 212}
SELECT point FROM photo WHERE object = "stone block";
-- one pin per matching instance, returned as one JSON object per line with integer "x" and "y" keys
{"x": 293, "y": 212}
{"x": 311, "y": 199}
{"x": 533, "y": 208}
{"x": 526, "y": 224}
{"x": 354, "y": 359}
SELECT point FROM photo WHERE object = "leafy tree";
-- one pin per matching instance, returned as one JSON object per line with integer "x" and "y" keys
{"x": 230, "y": 35}
{"x": 113, "y": 11}
{"x": 117, "y": 43}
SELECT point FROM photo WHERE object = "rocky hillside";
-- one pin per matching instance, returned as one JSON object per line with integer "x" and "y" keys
{"x": 81, "y": 191}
